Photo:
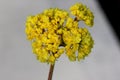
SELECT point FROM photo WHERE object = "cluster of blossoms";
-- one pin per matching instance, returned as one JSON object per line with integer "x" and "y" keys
{"x": 82, "y": 13}
{"x": 53, "y": 32}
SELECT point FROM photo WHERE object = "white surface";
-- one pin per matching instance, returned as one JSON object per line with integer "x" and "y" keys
{"x": 18, "y": 63}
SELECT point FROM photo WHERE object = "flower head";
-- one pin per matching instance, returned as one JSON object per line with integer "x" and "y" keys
{"x": 82, "y": 13}
{"x": 54, "y": 32}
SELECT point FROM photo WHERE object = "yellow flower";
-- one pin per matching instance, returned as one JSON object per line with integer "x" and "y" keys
{"x": 86, "y": 44}
{"x": 54, "y": 32}
{"x": 49, "y": 12}
{"x": 82, "y": 13}
{"x": 71, "y": 36}
{"x": 59, "y": 52}
{"x": 43, "y": 55}
{"x": 71, "y": 51}
{"x": 51, "y": 59}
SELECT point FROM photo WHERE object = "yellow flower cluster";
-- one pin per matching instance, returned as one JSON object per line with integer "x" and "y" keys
{"x": 82, "y": 13}
{"x": 44, "y": 30}
{"x": 54, "y": 32}
{"x": 86, "y": 43}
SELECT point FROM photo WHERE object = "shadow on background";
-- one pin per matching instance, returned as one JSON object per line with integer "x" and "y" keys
{"x": 111, "y": 9}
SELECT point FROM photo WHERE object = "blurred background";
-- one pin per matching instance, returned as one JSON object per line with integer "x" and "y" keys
{"x": 17, "y": 61}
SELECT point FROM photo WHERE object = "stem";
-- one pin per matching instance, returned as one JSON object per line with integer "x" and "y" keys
{"x": 76, "y": 19}
{"x": 51, "y": 71}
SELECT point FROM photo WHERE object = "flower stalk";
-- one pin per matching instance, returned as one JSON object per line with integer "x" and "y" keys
{"x": 51, "y": 71}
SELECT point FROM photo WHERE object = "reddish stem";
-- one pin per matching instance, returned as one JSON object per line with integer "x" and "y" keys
{"x": 51, "y": 72}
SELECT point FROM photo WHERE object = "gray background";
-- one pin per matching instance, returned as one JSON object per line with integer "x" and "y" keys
{"x": 18, "y": 63}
